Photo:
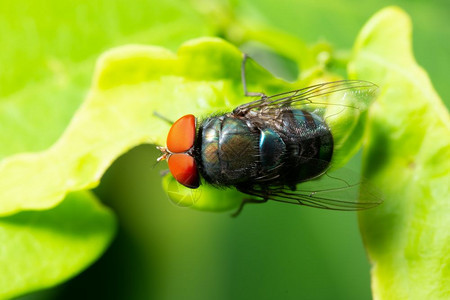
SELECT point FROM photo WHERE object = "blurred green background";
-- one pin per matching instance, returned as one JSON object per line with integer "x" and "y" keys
{"x": 163, "y": 251}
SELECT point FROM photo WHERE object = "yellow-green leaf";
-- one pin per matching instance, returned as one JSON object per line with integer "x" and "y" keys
{"x": 408, "y": 157}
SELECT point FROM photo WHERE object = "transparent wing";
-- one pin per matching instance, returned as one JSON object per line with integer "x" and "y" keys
{"x": 325, "y": 192}
{"x": 351, "y": 93}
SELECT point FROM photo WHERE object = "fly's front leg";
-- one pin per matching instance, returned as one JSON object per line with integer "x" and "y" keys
{"x": 163, "y": 118}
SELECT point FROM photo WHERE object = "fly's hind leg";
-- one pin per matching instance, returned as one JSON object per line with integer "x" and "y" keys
{"x": 244, "y": 202}
{"x": 244, "y": 82}
{"x": 243, "y": 109}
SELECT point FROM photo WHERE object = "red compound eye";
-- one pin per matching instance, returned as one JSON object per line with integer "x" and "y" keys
{"x": 184, "y": 169}
{"x": 181, "y": 135}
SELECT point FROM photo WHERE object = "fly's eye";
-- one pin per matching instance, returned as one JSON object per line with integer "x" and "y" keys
{"x": 184, "y": 169}
{"x": 181, "y": 135}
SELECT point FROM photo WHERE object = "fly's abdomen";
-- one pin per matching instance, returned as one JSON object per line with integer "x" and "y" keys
{"x": 229, "y": 151}
{"x": 272, "y": 150}
{"x": 309, "y": 144}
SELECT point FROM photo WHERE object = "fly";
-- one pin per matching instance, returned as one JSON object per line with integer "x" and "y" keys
{"x": 265, "y": 148}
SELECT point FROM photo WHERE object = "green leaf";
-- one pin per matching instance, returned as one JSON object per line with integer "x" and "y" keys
{"x": 49, "y": 53}
{"x": 407, "y": 156}
{"x": 41, "y": 249}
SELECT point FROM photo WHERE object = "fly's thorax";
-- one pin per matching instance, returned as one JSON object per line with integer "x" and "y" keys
{"x": 229, "y": 150}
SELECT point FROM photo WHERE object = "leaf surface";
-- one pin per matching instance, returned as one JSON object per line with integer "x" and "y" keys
{"x": 407, "y": 156}
{"x": 39, "y": 249}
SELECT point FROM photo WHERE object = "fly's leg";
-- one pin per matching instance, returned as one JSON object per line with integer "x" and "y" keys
{"x": 340, "y": 179}
{"x": 244, "y": 83}
{"x": 163, "y": 173}
{"x": 244, "y": 202}
{"x": 161, "y": 117}
{"x": 243, "y": 109}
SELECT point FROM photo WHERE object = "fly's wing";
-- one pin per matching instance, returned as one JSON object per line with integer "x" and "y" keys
{"x": 341, "y": 105}
{"x": 353, "y": 94}
{"x": 329, "y": 191}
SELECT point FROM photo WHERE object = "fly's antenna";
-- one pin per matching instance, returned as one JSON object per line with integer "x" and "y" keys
{"x": 244, "y": 82}
{"x": 163, "y": 156}
{"x": 164, "y": 153}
